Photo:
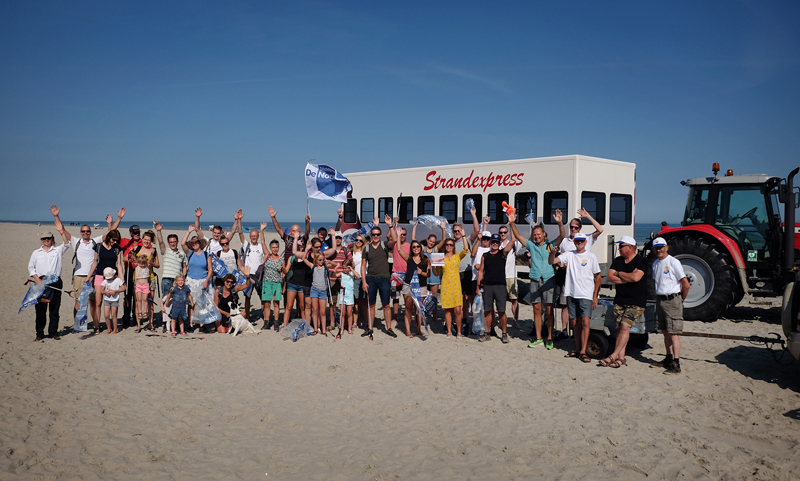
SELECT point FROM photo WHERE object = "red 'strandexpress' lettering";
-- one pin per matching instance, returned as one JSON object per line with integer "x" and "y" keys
{"x": 469, "y": 182}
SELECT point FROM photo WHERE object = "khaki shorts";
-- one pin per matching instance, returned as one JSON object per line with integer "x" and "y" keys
{"x": 627, "y": 315}
{"x": 669, "y": 315}
{"x": 512, "y": 289}
{"x": 77, "y": 285}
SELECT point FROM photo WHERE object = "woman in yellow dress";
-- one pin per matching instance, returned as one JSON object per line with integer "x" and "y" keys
{"x": 451, "y": 284}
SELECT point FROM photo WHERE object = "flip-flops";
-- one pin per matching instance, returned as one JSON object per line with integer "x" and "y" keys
{"x": 585, "y": 358}
{"x": 571, "y": 354}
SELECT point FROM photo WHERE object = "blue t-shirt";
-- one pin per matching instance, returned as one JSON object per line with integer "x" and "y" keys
{"x": 198, "y": 266}
{"x": 540, "y": 267}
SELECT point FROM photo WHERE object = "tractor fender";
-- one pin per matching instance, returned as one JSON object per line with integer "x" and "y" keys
{"x": 711, "y": 232}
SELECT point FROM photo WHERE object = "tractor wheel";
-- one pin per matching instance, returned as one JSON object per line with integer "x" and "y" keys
{"x": 597, "y": 347}
{"x": 711, "y": 275}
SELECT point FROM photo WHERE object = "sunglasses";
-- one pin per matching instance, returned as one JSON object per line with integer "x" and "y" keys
{"x": 228, "y": 282}
{"x": 376, "y": 235}
{"x": 417, "y": 247}
{"x": 134, "y": 232}
{"x": 402, "y": 235}
{"x": 495, "y": 242}
{"x": 503, "y": 232}
{"x": 449, "y": 245}
{"x": 86, "y": 231}
{"x": 572, "y": 227}
{"x": 224, "y": 244}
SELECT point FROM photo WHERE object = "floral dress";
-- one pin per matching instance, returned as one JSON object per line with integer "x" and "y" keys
{"x": 451, "y": 281}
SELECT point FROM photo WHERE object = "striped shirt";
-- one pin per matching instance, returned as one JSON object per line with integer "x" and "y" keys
{"x": 339, "y": 258}
{"x": 173, "y": 263}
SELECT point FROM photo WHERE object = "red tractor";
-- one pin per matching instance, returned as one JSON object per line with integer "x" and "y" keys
{"x": 732, "y": 242}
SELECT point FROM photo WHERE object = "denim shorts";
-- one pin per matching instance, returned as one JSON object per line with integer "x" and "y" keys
{"x": 377, "y": 285}
{"x": 293, "y": 287}
{"x": 579, "y": 307}
{"x": 318, "y": 293}
{"x": 166, "y": 283}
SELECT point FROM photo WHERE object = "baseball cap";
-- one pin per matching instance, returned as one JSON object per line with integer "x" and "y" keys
{"x": 46, "y": 235}
{"x": 109, "y": 272}
{"x": 338, "y": 233}
{"x": 579, "y": 237}
{"x": 626, "y": 239}
{"x": 486, "y": 234}
{"x": 496, "y": 238}
{"x": 134, "y": 227}
{"x": 659, "y": 242}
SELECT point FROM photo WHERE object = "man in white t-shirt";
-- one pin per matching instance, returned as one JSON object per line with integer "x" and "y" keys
{"x": 566, "y": 245}
{"x": 83, "y": 247}
{"x": 581, "y": 289}
{"x": 672, "y": 287}
{"x": 252, "y": 256}
{"x": 511, "y": 270}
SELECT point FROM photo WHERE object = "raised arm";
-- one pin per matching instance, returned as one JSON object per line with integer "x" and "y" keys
{"x": 559, "y": 218}
{"x": 308, "y": 225}
{"x": 186, "y": 248}
{"x": 241, "y": 287}
{"x": 273, "y": 214}
{"x": 391, "y": 238}
{"x": 161, "y": 245}
{"x": 197, "y": 214}
{"x": 440, "y": 244}
{"x": 340, "y": 213}
{"x": 598, "y": 229}
{"x": 512, "y": 218}
{"x": 115, "y": 225}
{"x": 513, "y": 226}
{"x": 59, "y": 226}
{"x": 240, "y": 214}
{"x": 475, "y": 226}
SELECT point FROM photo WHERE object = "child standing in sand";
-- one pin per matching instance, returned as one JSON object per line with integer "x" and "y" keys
{"x": 142, "y": 275}
{"x": 178, "y": 300}
{"x": 110, "y": 289}
{"x": 319, "y": 292}
{"x": 346, "y": 298}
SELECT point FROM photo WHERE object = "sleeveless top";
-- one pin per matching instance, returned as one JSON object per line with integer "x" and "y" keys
{"x": 198, "y": 266}
{"x": 106, "y": 258}
{"x": 224, "y": 301}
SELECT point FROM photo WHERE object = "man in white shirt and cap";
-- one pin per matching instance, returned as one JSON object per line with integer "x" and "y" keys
{"x": 46, "y": 261}
{"x": 672, "y": 286}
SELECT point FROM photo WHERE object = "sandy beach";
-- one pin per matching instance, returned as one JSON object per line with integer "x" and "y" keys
{"x": 133, "y": 406}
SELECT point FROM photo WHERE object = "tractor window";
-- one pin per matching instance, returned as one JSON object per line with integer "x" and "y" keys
{"x": 742, "y": 214}
{"x": 696, "y": 206}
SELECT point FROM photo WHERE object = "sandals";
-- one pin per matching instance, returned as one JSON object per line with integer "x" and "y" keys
{"x": 606, "y": 362}
{"x": 584, "y": 358}
{"x": 618, "y": 363}
{"x": 391, "y": 332}
{"x": 571, "y": 354}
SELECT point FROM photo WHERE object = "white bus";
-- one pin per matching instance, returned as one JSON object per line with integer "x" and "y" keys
{"x": 605, "y": 188}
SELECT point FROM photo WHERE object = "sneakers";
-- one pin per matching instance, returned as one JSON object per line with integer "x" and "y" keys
{"x": 505, "y": 338}
{"x": 663, "y": 364}
{"x": 536, "y": 343}
{"x": 484, "y": 338}
{"x": 548, "y": 343}
{"x": 674, "y": 367}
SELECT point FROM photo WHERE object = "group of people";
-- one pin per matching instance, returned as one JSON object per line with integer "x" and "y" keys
{"x": 318, "y": 277}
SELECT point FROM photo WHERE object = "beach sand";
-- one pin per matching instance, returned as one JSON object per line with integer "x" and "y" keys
{"x": 130, "y": 406}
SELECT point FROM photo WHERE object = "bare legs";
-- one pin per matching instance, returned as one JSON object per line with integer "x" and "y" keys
{"x": 448, "y": 314}
{"x": 111, "y": 318}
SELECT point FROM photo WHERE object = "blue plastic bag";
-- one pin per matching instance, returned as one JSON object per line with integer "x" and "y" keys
{"x": 36, "y": 291}
{"x": 83, "y": 302}
{"x": 478, "y": 325}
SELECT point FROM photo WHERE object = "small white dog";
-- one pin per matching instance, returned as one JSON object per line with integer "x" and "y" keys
{"x": 238, "y": 322}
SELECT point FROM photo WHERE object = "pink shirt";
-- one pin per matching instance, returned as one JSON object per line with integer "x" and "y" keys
{"x": 398, "y": 263}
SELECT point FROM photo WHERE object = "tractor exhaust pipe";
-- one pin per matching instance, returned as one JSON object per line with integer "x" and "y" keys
{"x": 788, "y": 230}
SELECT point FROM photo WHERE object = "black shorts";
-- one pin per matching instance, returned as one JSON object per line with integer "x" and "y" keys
{"x": 466, "y": 282}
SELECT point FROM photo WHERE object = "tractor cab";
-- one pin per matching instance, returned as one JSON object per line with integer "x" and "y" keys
{"x": 745, "y": 209}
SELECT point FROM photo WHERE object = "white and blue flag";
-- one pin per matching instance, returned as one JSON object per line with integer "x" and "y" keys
{"x": 325, "y": 183}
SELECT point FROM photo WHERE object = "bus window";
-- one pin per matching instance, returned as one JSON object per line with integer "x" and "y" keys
{"x": 405, "y": 209}
{"x": 495, "y": 209}
{"x": 448, "y": 208}
{"x": 478, "y": 199}
{"x": 425, "y": 205}
{"x": 595, "y": 205}
{"x": 553, "y": 201}
{"x": 350, "y": 211}
{"x": 385, "y": 206}
{"x": 525, "y": 203}
{"x": 620, "y": 209}
{"x": 367, "y": 210}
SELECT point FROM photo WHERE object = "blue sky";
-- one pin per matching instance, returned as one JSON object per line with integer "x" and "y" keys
{"x": 166, "y": 106}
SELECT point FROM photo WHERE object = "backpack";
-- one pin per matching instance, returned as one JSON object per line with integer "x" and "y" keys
{"x": 189, "y": 257}
{"x": 75, "y": 255}
{"x": 560, "y": 269}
